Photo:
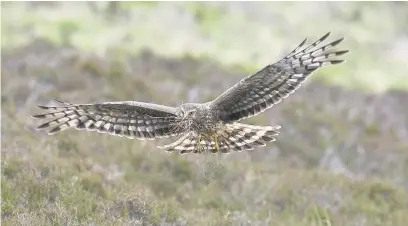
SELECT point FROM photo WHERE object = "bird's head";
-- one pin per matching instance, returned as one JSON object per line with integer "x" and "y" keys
{"x": 187, "y": 111}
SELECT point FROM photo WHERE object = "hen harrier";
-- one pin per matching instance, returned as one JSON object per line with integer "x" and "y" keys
{"x": 211, "y": 126}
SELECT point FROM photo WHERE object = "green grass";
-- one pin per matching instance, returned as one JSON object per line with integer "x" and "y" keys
{"x": 49, "y": 189}
{"x": 79, "y": 178}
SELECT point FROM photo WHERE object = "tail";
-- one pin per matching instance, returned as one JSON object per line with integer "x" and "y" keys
{"x": 233, "y": 137}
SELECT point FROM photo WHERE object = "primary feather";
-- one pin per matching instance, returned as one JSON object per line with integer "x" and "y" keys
{"x": 267, "y": 87}
{"x": 128, "y": 118}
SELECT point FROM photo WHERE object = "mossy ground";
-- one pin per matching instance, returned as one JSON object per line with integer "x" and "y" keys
{"x": 341, "y": 157}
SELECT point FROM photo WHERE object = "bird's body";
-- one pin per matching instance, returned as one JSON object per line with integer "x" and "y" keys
{"x": 199, "y": 118}
{"x": 211, "y": 126}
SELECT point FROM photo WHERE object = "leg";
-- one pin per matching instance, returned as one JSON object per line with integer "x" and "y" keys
{"x": 198, "y": 144}
{"x": 216, "y": 143}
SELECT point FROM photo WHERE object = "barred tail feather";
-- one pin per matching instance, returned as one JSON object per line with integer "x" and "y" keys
{"x": 234, "y": 137}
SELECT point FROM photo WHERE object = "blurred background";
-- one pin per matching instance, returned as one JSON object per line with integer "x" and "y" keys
{"x": 341, "y": 157}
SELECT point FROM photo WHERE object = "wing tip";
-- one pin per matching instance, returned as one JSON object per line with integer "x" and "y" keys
{"x": 49, "y": 107}
{"x": 43, "y": 107}
{"x": 61, "y": 102}
{"x": 38, "y": 116}
{"x": 303, "y": 42}
{"x": 54, "y": 131}
{"x": 325, "y": 36}
{"x": 334, "y": 43}
{"x": 337, "y": 61}
{"x": 341, "y": 52}
{"x": 42, "y": 126}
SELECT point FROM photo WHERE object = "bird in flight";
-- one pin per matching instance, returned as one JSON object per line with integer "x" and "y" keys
{"x": 202, "y": 127}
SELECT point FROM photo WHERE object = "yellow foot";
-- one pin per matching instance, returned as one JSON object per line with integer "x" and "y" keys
{"x": 217, "y": 148}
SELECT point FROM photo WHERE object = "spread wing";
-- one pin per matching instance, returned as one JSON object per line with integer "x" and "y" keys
{"x": 128, "y": 118}
{"x": 267, "y": 87}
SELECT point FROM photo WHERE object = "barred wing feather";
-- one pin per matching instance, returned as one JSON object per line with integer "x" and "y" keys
{"x": 127, "y": 118}
{"x": 267, "y": 87}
